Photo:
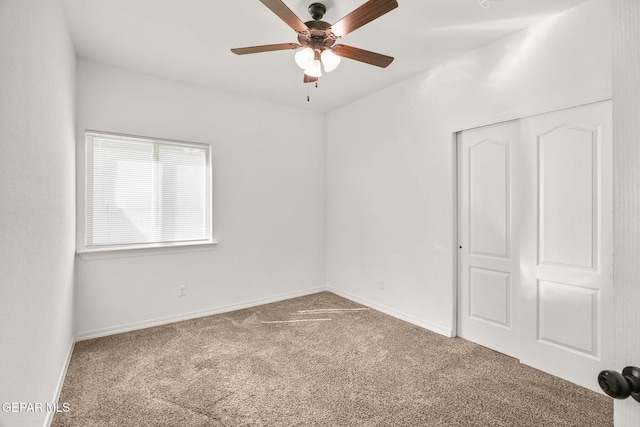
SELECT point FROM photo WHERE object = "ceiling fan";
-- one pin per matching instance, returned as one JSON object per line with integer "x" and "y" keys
{"x": 318, "y": 38}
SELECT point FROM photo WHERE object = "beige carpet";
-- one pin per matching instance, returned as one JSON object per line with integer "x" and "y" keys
{"x": 318, "y": 360}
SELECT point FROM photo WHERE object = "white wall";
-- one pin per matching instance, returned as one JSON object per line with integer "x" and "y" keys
{"x": 390, "y": 168}
{"x": 626, "y": 162}
{"x": 37, "y": 204}
{"x": 269, "y": 185}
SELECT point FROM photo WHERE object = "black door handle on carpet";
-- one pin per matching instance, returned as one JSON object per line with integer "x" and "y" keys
{"x": 621, "y": 386}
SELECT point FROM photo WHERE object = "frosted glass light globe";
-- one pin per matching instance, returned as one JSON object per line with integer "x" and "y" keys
{"x": 314, "y": 69}
{"x": 304, "y": 58}
{"x": 330, "y": 60}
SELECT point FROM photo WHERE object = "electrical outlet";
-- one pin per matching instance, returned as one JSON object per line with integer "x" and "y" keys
{"x": 183, "y": 290}
{"x": 381, "y": 284}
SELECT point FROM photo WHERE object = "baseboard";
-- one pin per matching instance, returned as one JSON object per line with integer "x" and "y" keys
{"x": 63, "y": 373}
{"x": 97, "y": 333}
{"x": 439, "y": 329}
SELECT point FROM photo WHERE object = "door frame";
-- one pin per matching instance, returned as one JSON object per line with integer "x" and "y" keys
{"x": 455, "y": 202}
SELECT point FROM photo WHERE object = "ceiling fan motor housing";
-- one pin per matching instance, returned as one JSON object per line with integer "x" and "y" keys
{"x": 317, "y": 11}
{"x": 318, "y": 37}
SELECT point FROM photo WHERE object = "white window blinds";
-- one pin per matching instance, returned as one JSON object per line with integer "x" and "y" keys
{"x": 142, "y": 191}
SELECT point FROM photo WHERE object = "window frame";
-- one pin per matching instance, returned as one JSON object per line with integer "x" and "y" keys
{"x": 89, "y": 252}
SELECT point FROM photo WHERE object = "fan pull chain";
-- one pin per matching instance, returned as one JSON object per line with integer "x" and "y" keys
{"x": 308, "y": 96}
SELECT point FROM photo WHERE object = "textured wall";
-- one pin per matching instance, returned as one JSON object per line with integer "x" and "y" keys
{"x": 626, "y": 162}
{"x": 268, "y": 201}
{"x": 37, "y": 204}
{"x": 391, "y": 161}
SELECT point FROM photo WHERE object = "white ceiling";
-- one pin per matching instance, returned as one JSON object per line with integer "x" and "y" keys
{"x": 190, "y": 41}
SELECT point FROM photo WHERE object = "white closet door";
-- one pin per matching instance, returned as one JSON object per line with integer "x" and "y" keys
{"x": 488, "y": 256}
{"x": 567, "y": 254}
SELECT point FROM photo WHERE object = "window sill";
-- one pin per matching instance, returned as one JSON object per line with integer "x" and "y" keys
{"x": 146, "y": 250}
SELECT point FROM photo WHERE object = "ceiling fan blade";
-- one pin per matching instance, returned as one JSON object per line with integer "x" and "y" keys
{"x": 377, "y": 59}
{"x": 290, "y": 18}
{"x": 366, "y": 13}
{"x": 309, "y": 79}
{"x": 264, "y": 48}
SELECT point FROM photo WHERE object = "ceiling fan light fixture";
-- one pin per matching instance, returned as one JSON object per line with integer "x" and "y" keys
{"x": 314, "y": 70}
{"x": 317, "y": 38}
{"x": 305, "y": 57}
{"x": 330, "y": 60}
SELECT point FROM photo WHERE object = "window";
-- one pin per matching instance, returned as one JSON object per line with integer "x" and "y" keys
{"x": 144, "y": 192}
